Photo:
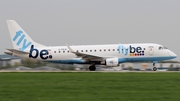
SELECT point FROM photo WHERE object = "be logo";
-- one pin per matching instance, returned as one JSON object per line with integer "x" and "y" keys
{"x": 44, "y": 54}
{"x": 136, "y": 51}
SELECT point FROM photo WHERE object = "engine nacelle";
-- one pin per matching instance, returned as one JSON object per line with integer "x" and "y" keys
{"x": 112, "y": 62}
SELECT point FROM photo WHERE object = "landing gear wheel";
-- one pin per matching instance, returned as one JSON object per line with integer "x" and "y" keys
{"x": 92, "y": 68}
{"x": 154, "y": 69}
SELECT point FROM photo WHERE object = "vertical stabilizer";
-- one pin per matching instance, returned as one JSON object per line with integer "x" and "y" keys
{"x": 19, "y": 37}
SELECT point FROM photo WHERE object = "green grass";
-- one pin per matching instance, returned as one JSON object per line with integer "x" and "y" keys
{"x": 89, "y": 86}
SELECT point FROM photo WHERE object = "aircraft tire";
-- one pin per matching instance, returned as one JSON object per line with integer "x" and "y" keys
{"x": 154, "y": 68}
{"x": 92, "y": 68}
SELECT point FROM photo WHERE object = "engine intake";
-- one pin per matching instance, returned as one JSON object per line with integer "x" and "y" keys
{"x": 112, "y": 62}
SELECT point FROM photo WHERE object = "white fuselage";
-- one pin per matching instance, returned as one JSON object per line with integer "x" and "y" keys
{"x": 124, "y": 53}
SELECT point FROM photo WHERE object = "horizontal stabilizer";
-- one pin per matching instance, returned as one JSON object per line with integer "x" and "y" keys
{"x": 17, "y": 51}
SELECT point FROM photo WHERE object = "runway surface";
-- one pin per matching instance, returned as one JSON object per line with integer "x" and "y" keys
{"x": 79, "y": 71}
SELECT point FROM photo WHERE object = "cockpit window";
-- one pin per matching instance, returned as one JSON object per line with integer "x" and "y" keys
{"x": 162, "y": 47}
{"x": 165, "y": 47}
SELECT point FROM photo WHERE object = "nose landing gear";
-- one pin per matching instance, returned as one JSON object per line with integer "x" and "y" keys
{"x": 154, "y": 67}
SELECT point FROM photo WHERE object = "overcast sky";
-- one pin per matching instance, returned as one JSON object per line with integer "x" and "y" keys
{"x": 77, "y": 22}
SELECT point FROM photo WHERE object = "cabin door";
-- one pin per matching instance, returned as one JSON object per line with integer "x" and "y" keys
{"x": 151, "y": 50}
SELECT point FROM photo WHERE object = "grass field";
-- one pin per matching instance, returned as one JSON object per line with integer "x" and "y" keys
{"x": 89, "y": 86}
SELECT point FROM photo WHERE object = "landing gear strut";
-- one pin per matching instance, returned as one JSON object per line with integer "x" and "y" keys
{"x": 92, "y": 67}
{"x": 154, "y": 67}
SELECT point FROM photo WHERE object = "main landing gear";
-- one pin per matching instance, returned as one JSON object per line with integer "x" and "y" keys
{"x": 92, "y": 67}
{"x": 154, "y": 67}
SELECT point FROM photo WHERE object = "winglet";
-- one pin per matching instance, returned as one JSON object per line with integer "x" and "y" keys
{"x": 70, "y": 49}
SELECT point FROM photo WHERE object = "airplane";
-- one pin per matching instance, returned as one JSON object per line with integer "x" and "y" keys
{"x": 110, "y": 55}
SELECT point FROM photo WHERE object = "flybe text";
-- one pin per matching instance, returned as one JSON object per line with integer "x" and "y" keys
{"x": 21, "y": 40}
{"x": 132, "y": 51}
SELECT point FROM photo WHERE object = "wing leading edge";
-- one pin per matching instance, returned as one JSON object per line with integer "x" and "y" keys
{"x": 86, "y": 56}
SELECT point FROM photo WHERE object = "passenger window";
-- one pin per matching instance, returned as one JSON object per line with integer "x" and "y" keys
{"x": 59, "y": 51}
{"x": 63, "y": 51}
{"x": 86, "y": 50}
{"x": 94, "y": 50}
{"x": 90, "y": 50}
{"x": 81, "y": 50}
{"x": 100, "y": 50}
{"x": 108, "y": 49}
{"x": 104, "y": 49}
{"x": 54, "y": 51}
{"x": 68, "y": 51}
{"x": 113, "y": 49}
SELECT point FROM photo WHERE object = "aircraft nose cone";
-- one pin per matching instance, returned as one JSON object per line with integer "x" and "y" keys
{"x": 173, "y": 54}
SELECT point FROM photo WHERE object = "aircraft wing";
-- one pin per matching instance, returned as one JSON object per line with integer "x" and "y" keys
{"x": 85, "y": 56}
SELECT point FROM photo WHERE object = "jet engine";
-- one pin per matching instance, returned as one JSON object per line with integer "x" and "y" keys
{"x": 112, "y": 62}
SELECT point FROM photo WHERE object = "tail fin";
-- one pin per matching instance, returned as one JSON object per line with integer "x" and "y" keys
{"x": 19, "y": 37}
